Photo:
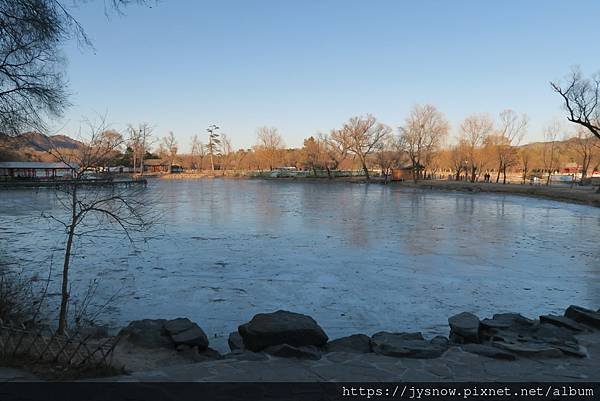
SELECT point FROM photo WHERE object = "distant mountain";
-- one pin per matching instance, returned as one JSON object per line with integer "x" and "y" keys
{"x": 42, "y": 142}
{"x": 33, "y": 146}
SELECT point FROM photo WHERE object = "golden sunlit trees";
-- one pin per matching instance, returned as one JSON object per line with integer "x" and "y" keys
{"x": 227, "y": 152}
{"x": 269, "y": 146}
{"x": 361, "y": 135}
{"x": 312, "y": 154}
{"x": 198, "y": 153}
{"x": 586, "y": 146}
{"x": 550, "y": 149}
{"x": 511, "y": 130}
{"x": 474, "y": 131}
{"x": 459, "y": 158}
{"x": 422, "y": 135}
{"x": 526, "y": 156}
{"x": 335, "y": 151}
{"x": 388, "y": 155}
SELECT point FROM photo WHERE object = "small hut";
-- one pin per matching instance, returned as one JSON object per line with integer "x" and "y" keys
{"x": 406, "y": 172}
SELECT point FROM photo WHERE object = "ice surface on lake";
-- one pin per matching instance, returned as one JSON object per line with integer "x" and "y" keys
{"x": 358, "y": 258}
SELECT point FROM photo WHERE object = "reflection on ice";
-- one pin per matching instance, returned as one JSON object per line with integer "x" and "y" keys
{"x": 358, "y": 258}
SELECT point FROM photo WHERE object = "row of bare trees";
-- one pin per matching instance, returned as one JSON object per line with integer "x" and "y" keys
{"x": 484, "y": 146}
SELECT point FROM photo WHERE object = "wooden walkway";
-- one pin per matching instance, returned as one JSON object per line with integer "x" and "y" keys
{"x": 16, "y": 184}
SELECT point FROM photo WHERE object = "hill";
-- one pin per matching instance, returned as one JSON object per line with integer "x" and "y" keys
{"x": 33, "y": 146}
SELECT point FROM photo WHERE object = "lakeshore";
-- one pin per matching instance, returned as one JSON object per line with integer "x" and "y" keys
{"x": 288, "y": 347}
{"x": 576, "y": 194}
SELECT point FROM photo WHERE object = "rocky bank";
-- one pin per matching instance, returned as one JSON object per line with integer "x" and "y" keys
{"x": 156, "y": 347}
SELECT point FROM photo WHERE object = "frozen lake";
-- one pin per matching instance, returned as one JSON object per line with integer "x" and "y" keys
{"x": 358, "y": 258}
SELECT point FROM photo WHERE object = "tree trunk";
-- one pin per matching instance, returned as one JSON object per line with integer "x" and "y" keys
{"x": 134, "y": 162}
{"x": 584, "y": 168}
{"x": 366, "y": 170}
{"x": 504, "y": 174}
{"x": 498, "y": 175}
{"x": 64, "y": 300}
{"x": 328, "y": 172}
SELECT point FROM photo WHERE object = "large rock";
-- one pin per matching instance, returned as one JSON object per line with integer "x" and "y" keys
{"x": 247, "y": 356}
{"x": 161, "y": 333}
{"x": 93, "y": 331}
{"x": 409, "y": 345}
{"x": 184, "y": 331}
{"x": 529, "y": 349}
{"x": 504, "y": 325}
{"x": 488, "y": 351}
{"x": 464, "y": 328}
{"x": 356, "y": 343}
{"x": 583, "y": 315}
{"x": 540, "y": 339}
{"x": 281, "y": 327}
{"x": 505, "y": 320}
{"x": 194, "y": 354}
{"x": 147, "y": 333}
{"x": 562, "y": 321}
{"x": 288, "y": 351}
{"x": 235, "y": 341}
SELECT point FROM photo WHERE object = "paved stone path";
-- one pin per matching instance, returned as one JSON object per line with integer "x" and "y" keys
{"x": 454, "y": 365}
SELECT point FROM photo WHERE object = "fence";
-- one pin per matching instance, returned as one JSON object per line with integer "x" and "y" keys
{"x": 45, "y": 345}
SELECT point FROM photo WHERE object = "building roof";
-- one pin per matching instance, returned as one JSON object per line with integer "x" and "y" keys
{"x": 155, "y": 162}
{"x": 37, "y": 165}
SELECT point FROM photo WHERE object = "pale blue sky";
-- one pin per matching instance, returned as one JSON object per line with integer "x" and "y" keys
{"x": 307, "y": 66}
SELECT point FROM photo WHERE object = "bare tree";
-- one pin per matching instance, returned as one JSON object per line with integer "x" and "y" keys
{"x": 581, "y": 97}
{"x": 92, "y": 209}
{"x": 459, "y": 158}
{"x": 362, "y": 135}
{"x": 227, "y": 153}
{"x": 198, "y": 153}
{"x": 239, "y": 157}
{"x": 511, "y": 130}
{"x": 549, "y": 149}
{"x": 269, "y": 145}
{"x": 422, "y": 134}
{"x": 585, "y": 145}
{"x": 474, "y": 131}
{"x": 32, "y": 84}
{"x": 170, "y": 148}
{"x": 389, "y": 154}
{"x": 335, "y": 151}
{"x": 140, "y": 139}
{"x": 525, "y": 155}
{"x": 135, "y": 143}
